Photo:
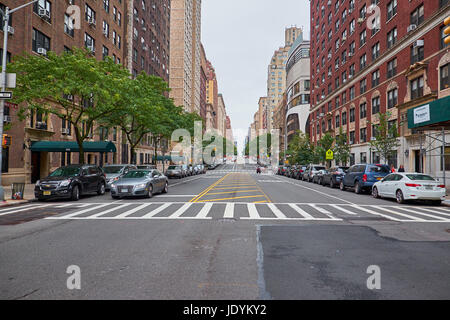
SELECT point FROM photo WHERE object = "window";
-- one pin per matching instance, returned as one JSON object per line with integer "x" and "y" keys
{"x": 352, "y": 26}
{"x": 392, "y": 98}
{"x": 363, "y": 137}
{"x": 352, "y": 115}
{"x": 105, "y": 52}
{"x": 3, "y": 8}
{"x": 338, "y": 122}
{"x": 376, "y": 51}
{"x": 119, "y": 18}
{"x": 40, "y": 40}
{"x": 344, "y": 98}
{"x": 337, "y": 102}
{"x": 40, "y": 6}
{"x": 362, "y": 38}
{"x": 417, "y": 54}
{"x": 344, "y": 118}
{"x": 114, "y": 37}
{"x": 391, "y": 37}
{"x": 135, "y": 55}
{"x": 68, "y": 25}
{"x": 362, "y": 110}
{"x": 344, "y": 56}
{"x": 65, "y": 124}
{"x": 375, "y": 78}
{"x": 119, "y": 42}
{"x": 392, "y": 68}
{"x": 352, "y": 48}
{"x": 362, "y": 61}
{"x": 363, "y": 155}
{"x": 391, "y": 9}
{"x": 444, "y": 77}
{"x": 114, "y": 13}
{"x": 362, "y": 12}
{"x": 351, "y": 71}
{"x": 89, "y": 13}
{"x": 362, "y": 86}
{"x": 417, "y": 88}
{"x": 352, "y": 137}
{"x": 376, "y": 105}
{"x": 89, "y": 42}
{"x": 105, "y": 29}
{"x": 352, "y": 93}
{"x": 106, "y": 5}
{"x": 375, "y": 131}
{"x": 417, "y": 15}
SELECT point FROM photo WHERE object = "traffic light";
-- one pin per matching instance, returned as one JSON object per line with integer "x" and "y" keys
{"x": 447, "y": 30}
{"x": 6, "y": 141}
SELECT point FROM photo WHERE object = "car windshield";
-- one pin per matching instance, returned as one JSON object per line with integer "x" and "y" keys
{"x": 136, "y": 174}
{"x": 319, "y": 168}
{"x": 66, "y": 172}
{"x": 421, "y": 177}
{"x": 112, "y": 169}
{"x": 380, "y": 169}
{"x": 173, "y": 168}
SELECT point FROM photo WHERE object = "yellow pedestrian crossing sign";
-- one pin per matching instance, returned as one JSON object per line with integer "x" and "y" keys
{"x": 330, "y": 155}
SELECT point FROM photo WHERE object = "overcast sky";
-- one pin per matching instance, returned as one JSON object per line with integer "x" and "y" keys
{"x": 240, "y": 37}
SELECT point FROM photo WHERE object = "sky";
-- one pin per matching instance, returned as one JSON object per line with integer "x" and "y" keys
{"x": 240, "y": 37}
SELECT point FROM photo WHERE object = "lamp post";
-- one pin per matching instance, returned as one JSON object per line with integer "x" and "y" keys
{"x": 5, "y": 19}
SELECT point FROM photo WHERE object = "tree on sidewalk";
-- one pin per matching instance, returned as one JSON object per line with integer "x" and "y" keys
{"x": 325, "y": 143}
{"x": 73, "y": 86}
{"x": 386, "y": 137}
{"x": 341, "y": 148}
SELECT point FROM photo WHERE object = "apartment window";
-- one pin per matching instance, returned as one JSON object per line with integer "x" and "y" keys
{"x": 443, "y": 3}
{"x": 344, "y": 15}
{"x": 89, "y": 42}
{"x": 417, "y": 88}
{"x": 363, "y": 155}
{"x": 352, "y": 26}
{"x": 352, "y": 70}
{"x": 330, "y": 106}
{"x": 3, "y": 8}
{"x": 105, "y": 52}
{"x": 337, "y": 42}
{"x": 392, "y": 96}
{"x": 337, "y": 102}
{"x": 362, "y": 61}
{"x": 330, "y": 88}
{"x": 119, "y": 41}
{"x": 444, "y": 77}
{"x": 344, "y": 118}
{"x": 114, "y": 13}
{"x": 344, "y": 56}
{"x": 375, "y": 78}
{"x": 362, "y": 110}
{"x": 307, "y": 85}
{"x": 352, "y": 115}
{"x": 337, "y": 24}
{"x": 352, "y": 93}
{"x": 376, "y": 105}
{"x": 352, "y": 47}
{"x": 417, "y": 16}
{"x": 392, "y": 68}
{"x": 391, "y": 9}
{"x": 68, "y": 25}
{"x": 105, "y": 29}
{"x": 338, "y": 121}
{"x": 106, "y": 5}
{"x": 135, "y": 55}
{"x": 40, "y": 40}
{"x": 362, "y": 86}
{"x": 376, "y": 22}
{"x": 376, "y": 51}
{"x": 362, "y": 38}
{"x": 362, "y": 12}
{"x": 336, "y": 83}
{"x": 363, "y": 137}
{"x": 43, "y": 5}
{"x": 352, "y": 137}
{"x": 391, "y": 37}
{"x": 114, "y": 37}
{"x": 89, "y": 13}
{"x": 344, "y": 98}
{"x": 417, "y": 54}
{"x": 330, "y": 17}
{"x": 375, "y": 133}
{"x": 344, "y": 35}
{"x": 119, "y": 18}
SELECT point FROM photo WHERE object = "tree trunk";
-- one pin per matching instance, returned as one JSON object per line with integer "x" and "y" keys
{"x": 81, "y": 159}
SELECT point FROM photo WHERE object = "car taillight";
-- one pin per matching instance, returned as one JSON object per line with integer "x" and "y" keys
{"x": 412, "y": 185}
{"x": 337, "y": 172}
{"x": 441, "y": 186}
{"x": 301, "y": 171}
{"x": 365, "y": 178}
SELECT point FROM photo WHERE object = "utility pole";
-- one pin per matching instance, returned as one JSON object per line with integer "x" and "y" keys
{"x": 5, "y": 18}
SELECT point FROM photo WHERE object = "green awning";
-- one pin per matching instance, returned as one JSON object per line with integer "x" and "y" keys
{"x": 72, "y": 146}
{"x": 433, "y": 115}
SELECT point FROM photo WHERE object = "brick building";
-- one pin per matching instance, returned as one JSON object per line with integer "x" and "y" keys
{"x": 44, "y": 27}
{"x": 362, "y": 64}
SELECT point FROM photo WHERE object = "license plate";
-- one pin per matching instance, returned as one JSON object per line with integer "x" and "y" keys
{"x": 124, "y": 191}
{"x": 429, "y": 187}
{"x": 47, "y": 193}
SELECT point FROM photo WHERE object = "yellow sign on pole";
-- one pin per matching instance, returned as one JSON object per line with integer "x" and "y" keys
{"x": 330, "y": 155}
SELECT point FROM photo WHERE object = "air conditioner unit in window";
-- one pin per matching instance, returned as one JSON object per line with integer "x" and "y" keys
{"x": 344, "y": 38}
{"x": 65, "y": 130}
{"x": 329, "y": 3}
{"x": 329, "y": 56}
{"x": 350, "y": 76}
{"x": 105, "y": 32}
{"x": 43, "y": 13}
{"x": 418, "y": 43}
{"x": 42, "y": 51}
{"x": 144, "y": 28}
{"x": 145, "y": 48}
{"x": 41, "y": 125}
{"x": 350, "y": 54}
{"x": 350, "y": 10}
{"x": 360, "y": 20}
{"x": 6, "y": 118}
{"x": 10, "y": 30}
{"x": 91, "y": 48}
{"x": 91, "y": 21}
{"x": 411, "y": 27}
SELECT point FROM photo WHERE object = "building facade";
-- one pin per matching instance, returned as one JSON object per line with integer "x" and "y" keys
{"x": 363, "y": 64}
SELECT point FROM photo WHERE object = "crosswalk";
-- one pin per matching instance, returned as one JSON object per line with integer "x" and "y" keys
{"x": 249, "y": 211}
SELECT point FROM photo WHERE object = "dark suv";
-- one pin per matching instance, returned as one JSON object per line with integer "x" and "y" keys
{"x": 363, "y": 176}
{"x": 70, "y": 182}
{"x": 333, "y": 177}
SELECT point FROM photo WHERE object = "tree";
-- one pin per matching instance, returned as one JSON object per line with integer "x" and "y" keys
{"x": 300, "y": 150}
{"x": 386, "y": 142}
{"x": 341, "y": 148}
{"x": 73, "y": 86}
{"x": 325, "y": 143}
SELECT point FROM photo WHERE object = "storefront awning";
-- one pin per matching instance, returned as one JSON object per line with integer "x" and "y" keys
{"x": 72, "y": 146}
{"x": 431, "y": 116}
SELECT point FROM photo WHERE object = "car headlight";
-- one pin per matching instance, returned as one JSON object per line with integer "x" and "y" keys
{"x": 141, "y": 186}
{"x": 64, "y": 183}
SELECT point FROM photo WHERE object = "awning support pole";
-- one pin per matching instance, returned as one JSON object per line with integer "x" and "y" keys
{"x": 443, "y": 154}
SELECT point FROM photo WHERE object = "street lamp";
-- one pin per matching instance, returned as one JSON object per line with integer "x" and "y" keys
{"x": 5, "y": 18}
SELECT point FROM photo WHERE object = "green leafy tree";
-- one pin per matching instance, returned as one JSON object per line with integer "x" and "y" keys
{"x": 72, "y": 86}
{"x": 386, "y": 137}
{"x": 300, "y": 150}
{"x": 341, "y": 148}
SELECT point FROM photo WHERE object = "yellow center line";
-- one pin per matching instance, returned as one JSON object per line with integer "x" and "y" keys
{"x": 227, "y": 188}
{"x": 212, "y": 200}
{"x": 232, "y": 192}
{"x": 196, "y": 198}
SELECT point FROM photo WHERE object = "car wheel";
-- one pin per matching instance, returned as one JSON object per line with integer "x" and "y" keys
{"x": 357, "y": 188}
{"x": 375, "y": 193}
{"x": 436, "y": 202}
{"x": 41, "y": 199}
{"x": 115, "y": 197}
{"x": 166, "y": 188}
{"x": 75, "y": 193}
{"x": 342, "y": 186}
{"x": 331, "y": 184}
{"x": 150, "y": 192}
{"x": 399, "y": 197}
{"x": 101, "y": 189}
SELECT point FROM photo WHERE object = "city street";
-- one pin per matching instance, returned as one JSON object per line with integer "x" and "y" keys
{"x": 228, "y": 234}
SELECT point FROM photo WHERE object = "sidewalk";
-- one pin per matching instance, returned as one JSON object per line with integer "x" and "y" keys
{"x": 27, "y": 197}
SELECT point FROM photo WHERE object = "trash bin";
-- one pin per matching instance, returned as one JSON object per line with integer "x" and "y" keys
{"x": 17, "y": 191}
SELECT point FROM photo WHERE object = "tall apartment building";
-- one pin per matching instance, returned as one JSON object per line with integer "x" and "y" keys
{"x": 362, "y": 65}
{"x": 212, "y": 97}
{"x": 43, "y": 27}
{"x": 221, "y": 116}
{"x": 185, "y": 53}
{"x": 276, "y": 77}
{"x": 203, "y": 84}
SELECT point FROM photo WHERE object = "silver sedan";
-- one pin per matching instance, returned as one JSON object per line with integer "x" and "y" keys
{"x": 139, "y": 183}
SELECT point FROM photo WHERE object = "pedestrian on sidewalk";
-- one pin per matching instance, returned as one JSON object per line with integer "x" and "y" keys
{"x": 401, "y": 169}
{"x": 392, "y": 169}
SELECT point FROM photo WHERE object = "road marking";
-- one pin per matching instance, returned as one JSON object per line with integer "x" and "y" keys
{"x": 419, "y": 213}
{"x": 276, "y": 211}
{"x": 180, "y": 211}
{"x": 87, "y": 210}
{"x": 130, "y": 212}
{"x": 375, "y": 213}
{"x": 22, "y": 209}
{"x": 253, "y": 213}
{"x": 322, "y": 210}
{"x": 199, "y": 196}
{"x": 25, "y": 206}
{"x": 153, "y": 213}
{"x": 402, "y": 214}
{"x": 301, "y": 211}
{"x": 437, "y": 212}
{"x": 232, "y": 192}
{"x": 212, "y": 200}
{"x": 205, "y": 211}
{"x": 108, "y": 211}
{"x": 183, "y": 182}
{"x": 344, "y": 210}
{"x": 229, "y": 210}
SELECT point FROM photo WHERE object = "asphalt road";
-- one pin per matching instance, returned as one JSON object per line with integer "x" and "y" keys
{"x": 229, "y": 234}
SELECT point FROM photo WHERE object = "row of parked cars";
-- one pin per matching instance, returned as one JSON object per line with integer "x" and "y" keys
{"x": 125, "y": 180}
{"x": 375, "y": 178}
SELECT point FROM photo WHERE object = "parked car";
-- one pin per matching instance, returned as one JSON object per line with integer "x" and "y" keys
{"x": 299, "y": 171}
{"x": 287, "y": 171}
{"x": 176, "y": 171}
{"x": 333, "y": 177}
{"x": 409, "y": 186}
{"x": 146, "y": 167}
{"x": 318, "y": 177}
{"x": 191, "y": 171}
{"x": 71, "y": 182}
{"x": 363, "y": 176}
{"x": 282, "y": 170}
{"x": 115, "y": 171}
{"x": 140, "y": 183}
{"x": 292, "y": 171}
{"x": 311, "y": 171}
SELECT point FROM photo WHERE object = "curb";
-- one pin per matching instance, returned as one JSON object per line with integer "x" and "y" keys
{"x": 12, "y": 204}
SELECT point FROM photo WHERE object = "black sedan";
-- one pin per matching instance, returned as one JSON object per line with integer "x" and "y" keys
{"x": 70, "y": 182}
{"x": 333, "y": 177}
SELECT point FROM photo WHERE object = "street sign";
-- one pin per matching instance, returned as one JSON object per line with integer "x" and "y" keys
{"x": 11, "y": 80}
{"x": 330, "y": 155}
{"x": 5, "y": 95}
